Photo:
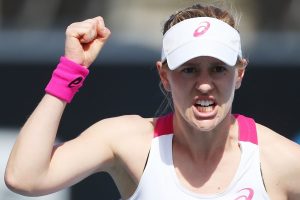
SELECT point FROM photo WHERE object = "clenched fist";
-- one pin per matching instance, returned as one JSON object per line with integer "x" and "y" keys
{"x": 85, "y": 39}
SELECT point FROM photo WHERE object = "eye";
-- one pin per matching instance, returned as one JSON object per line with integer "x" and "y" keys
{"x": 219, "y": 69}
{"x": 189, "y": 70}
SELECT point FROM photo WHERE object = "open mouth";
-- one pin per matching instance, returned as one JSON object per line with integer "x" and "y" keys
{"x": 205, "y": 106}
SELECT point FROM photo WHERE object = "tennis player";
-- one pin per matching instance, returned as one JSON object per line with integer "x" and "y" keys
{"x": 200, "y": 151}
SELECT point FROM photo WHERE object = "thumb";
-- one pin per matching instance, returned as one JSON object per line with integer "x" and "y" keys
{"x": 102, "y": 31}
{"x": 96, "y": 45}
{"x": 104, "y": 34}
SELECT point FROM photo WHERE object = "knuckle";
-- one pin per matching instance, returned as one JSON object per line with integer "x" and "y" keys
{"x": 100, "y": 18}
{"x": 69, "y": 30}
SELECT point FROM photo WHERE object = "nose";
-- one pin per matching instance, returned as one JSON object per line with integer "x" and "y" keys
{"x": 204, "y": 82}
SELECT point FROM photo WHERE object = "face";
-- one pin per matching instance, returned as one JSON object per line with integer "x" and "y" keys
{"x": 202, "y": 90}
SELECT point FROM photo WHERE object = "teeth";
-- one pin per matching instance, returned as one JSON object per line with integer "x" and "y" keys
{"x": 205, "y": 103}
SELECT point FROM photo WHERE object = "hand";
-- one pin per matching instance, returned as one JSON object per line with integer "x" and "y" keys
{"x": 85, "y": 39}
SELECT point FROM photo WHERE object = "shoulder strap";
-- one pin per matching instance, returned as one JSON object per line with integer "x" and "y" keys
{"x": 164, "y": 125}
{"x": 247, "y": 129}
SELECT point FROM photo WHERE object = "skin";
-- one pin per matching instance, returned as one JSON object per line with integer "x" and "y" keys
{"x": 207, "y": 139}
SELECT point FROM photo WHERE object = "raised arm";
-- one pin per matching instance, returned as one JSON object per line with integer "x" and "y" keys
{"x": 35, "y": 166}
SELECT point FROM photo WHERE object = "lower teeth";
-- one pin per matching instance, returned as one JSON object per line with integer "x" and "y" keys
{"x": 205, "y": 109}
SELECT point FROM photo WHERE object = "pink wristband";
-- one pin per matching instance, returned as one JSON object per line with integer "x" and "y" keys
{"x": 66, "y": 79}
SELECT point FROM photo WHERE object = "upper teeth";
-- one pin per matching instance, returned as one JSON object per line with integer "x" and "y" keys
{"x": 205, "y": 102}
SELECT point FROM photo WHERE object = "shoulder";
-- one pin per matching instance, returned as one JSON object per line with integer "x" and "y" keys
{"x": 120, "y": 134}
{"x": 125, "y": 122}
{"x": 123, "y": 135}
{"x": 275, "y": 144}
{"x": 123, "y": 127}
{"x": 127, "y": 132}
{"x": 279, "y": 159}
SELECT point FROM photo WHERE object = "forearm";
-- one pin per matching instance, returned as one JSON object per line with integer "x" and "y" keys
{"x": 31, "y": 154}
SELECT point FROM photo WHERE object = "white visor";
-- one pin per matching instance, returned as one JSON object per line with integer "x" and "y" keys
{"x": 201, "y": 36}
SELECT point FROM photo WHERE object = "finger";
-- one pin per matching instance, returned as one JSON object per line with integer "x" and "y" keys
{"x": 89, "y": 36}
{"x": 85, "y": 31}
{"x": 104, "y": 34}
{"x": 96, "y": 30}
{"x": 102, "y": 31}
{"x": 90, "y": 33}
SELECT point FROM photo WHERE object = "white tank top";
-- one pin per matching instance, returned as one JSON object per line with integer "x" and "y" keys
{"x": 159, "y": 180}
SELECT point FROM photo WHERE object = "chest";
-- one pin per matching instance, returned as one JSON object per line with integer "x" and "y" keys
{"x": 167, "y": 177}
{"x": 210, "y": 176}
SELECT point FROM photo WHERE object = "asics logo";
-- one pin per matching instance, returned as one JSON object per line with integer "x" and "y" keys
{"x": 245, "y": 194}
{"x": 201, "y": 29}
{"x": 75, "y": 82}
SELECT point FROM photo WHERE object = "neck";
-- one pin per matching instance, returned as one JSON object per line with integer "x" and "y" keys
{"x": 205, "y": 145}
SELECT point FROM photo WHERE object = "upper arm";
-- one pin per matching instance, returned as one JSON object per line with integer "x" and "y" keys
{"x": 78, "y": 158}
{"x": 99, "y": 148}
{"x": 291, "y": 168}
{"x": 280, "y": 164}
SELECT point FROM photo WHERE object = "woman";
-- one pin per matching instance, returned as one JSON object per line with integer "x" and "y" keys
{"x": 201, "y": 151}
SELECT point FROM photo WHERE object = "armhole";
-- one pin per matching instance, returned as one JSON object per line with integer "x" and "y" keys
{"x": 248, "y": 133}
{"x": 247, "y": 129}
{"x": 163, "y": 126}
{"x": 146, "y": 160}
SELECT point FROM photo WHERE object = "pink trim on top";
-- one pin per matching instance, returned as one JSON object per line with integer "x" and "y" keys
{"x": 164, "y": 125}
{"x": 247, "y": 129}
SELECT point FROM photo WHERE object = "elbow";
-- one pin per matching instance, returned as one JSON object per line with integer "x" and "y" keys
{"x": 19, "y": 185}
{"x": 12, "y": 183}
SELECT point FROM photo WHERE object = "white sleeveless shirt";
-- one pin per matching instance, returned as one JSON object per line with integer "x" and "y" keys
{"x": 159, "y": 180}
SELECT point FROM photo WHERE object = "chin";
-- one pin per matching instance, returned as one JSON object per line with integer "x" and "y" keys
{"x": 205, "y": 125}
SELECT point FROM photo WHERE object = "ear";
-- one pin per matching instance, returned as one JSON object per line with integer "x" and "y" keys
{"x": 240, "y": 73}
{"x": 162, "y": 71}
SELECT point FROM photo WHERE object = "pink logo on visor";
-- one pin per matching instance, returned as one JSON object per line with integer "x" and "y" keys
{"x": 202, "y": 28}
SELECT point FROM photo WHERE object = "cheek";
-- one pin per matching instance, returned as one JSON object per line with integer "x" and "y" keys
{"x": 180, "y": 88}
{"x": 176, "y": 82}
{"x": 227, "y": 88}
